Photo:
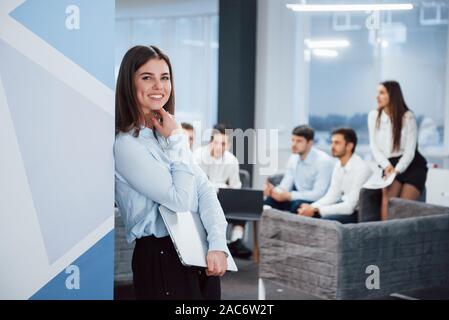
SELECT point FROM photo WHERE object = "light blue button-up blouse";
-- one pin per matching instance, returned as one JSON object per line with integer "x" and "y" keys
{"x": 152, "y": 171}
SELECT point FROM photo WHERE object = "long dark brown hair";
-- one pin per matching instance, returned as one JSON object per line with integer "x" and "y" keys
{"x": 397, "y": 108}
{"x": 128, "y": 115}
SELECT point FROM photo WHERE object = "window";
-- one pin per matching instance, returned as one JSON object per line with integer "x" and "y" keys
{"x": 191, "y": 42}
{"x": 343, "y": 72}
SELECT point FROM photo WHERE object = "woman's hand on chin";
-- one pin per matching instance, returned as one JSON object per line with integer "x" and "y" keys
{"x": 166, "y": 125}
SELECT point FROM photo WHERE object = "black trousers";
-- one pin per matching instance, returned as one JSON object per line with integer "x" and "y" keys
{"x": 291, "y": 206}
{"x": 158, "y": 274}
{"x": 343, "y": 218}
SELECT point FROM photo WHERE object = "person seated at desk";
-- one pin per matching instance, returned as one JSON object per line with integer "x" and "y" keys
{"x": 350, "y": 173}
{"x": 222, "y": 169}
{"x": 307, "y": 176}
{"x": 190, "y": 132}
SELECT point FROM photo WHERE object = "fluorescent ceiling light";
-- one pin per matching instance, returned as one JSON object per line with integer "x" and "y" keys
{"x": 325, "y": 44}
{"x": 199, "y": 43}
{"x": 349, "y": 7}
{"x": 194, "y": 43}
{"x": 325, "y": 53}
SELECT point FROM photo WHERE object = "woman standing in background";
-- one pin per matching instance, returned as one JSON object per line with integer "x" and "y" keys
{"x": 393, "y": 137}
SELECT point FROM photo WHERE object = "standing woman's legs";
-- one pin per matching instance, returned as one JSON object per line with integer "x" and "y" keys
{"x": 409, "y": 192}
{"x": 384, "y": 205}
{"x": 392, "y": 191}
{"x": 158, "y": 274}
{"x": 147, "y": 286}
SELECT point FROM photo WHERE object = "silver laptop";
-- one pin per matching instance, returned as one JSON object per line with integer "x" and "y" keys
{"x": 189, "y": 237}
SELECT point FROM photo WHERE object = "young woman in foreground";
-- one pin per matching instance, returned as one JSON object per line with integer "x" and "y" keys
{"x": 153, "y": 167}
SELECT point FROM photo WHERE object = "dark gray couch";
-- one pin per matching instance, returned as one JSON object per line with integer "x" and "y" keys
{"x": 327, "y": 259}
{"x": 123, "y": 274}
{"x": 369, "y": 204}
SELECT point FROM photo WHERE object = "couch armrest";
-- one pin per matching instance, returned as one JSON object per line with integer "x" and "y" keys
{"x": 409, "y": 253}
{"x": 123, "y": 254}
{"x": 300, "y": 252}
{"x": 369, "y": 205}
{"x": 401, "y": 208}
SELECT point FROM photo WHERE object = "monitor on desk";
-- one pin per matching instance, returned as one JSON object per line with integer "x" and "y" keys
{"x": 245, "y": 202}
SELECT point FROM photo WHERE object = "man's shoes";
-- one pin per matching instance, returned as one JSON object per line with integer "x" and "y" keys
{"x": 238, "y": 249}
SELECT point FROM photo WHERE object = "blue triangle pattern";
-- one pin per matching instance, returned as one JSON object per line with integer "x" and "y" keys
{"x": 91, "y": 46}
{"x": 96, "y": 274}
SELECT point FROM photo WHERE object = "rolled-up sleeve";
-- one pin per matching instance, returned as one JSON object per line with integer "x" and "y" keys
{"x": 211, "y": 214}
{"x": 289, "y": 175}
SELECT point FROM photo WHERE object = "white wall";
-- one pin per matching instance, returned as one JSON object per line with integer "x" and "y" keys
{"x": 278, "y": 99}
{"x": 283, "y": 79}
{"x": 187, "y": 31}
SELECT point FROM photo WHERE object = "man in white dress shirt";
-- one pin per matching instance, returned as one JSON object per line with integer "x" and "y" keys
{"x": 220, "y": 165}
{"x": 222, "y": 169}
{"x": 350, "y": 173}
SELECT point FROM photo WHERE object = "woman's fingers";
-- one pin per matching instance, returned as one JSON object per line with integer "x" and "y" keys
{"x": 389, "y": 170}
{"x": 160, "y": 111}
{"x": 212, "y": 265}
{"x": 156, "y": 124}
{"x": 215, "y": 267}
{"x": 164, "y": 114}
{"x": 168, "y": 124}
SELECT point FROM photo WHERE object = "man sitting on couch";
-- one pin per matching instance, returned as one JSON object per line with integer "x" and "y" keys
{"x": 307, "y": 176}
{"x": 349, "y": 175}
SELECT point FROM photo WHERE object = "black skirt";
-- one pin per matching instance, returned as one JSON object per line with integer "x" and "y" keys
{"x": 415, "y": 174}
{"x": 158, "y": 274}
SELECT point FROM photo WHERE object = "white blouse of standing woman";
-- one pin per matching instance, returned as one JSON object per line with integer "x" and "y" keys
{"x": 382, "y": 137}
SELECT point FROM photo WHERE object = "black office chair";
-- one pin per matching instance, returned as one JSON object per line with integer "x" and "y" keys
{"x": 275, "y": 179}
{"x": 245, "y": 178}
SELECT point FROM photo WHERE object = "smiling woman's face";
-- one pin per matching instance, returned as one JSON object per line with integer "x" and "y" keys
{"x": 153, "y": 85}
